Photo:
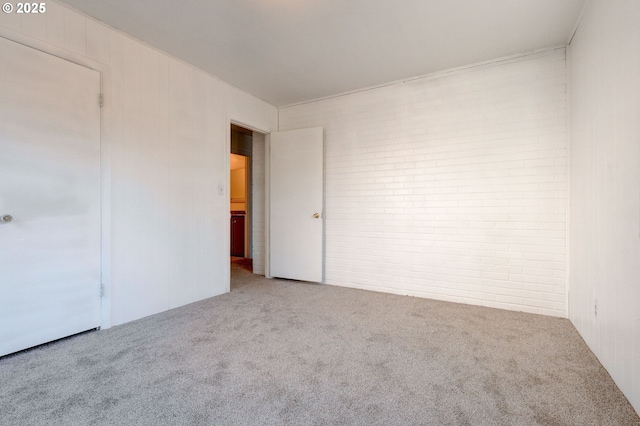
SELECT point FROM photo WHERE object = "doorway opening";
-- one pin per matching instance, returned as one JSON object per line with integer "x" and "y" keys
{"x": 238, "y": 202}
{"x": 246, "y": 200}
{"x": 240, "y": 196}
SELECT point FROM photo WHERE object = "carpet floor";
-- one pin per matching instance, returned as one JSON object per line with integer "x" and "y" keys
{"x": 276, "y": 352}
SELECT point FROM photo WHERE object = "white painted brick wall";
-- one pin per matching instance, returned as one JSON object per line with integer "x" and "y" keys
{"x": 453, "y": 188}
{"x": 257, "y": 203}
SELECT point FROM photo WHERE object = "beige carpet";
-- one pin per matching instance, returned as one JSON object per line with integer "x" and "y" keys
{"x": 279, "y": 352}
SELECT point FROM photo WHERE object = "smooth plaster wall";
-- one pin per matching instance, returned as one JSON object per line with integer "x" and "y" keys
{"x": 165, "y": 146}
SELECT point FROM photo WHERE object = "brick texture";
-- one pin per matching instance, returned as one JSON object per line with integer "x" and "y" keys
{"x": 257, "y": 194}
{"x": 451, "y": 188}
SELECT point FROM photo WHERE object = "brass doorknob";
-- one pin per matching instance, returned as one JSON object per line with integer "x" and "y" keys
{"x": 316, "y": 215}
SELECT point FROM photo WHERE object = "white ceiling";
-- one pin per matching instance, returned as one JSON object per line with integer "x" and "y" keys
{"x": 290, "y": 51}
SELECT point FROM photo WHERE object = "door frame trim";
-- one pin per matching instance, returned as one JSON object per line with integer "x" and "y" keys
{"x": 106, "y": 118}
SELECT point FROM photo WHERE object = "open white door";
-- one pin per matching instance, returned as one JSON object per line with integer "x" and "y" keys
{"x": 49, "y": 198}
{"x": 296, "y": 204}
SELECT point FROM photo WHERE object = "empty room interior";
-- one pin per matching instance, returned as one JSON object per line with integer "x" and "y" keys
{"x": 320, "y": 212}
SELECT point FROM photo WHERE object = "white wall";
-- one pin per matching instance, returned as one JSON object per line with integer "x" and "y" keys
{"x": 258, "y": 203}
{"x": 604, "y": 238}
{"x": 453, "y": 188}
{"x": 165, "y": 129}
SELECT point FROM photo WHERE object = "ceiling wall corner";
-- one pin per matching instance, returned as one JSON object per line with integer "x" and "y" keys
{"x": 574, "y": 29}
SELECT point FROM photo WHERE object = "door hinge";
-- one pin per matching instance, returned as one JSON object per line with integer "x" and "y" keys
{"x": 101, "y": 290}
{"x": 101, "y": 100}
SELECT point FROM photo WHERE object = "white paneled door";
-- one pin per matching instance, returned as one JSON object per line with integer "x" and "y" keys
{"x": 296, "y": 204}
{"x": 49, "y": 198}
